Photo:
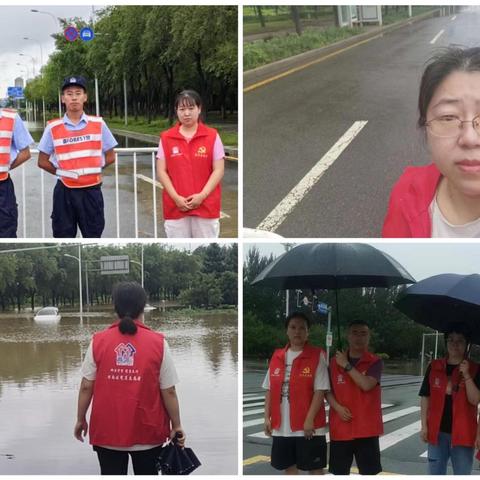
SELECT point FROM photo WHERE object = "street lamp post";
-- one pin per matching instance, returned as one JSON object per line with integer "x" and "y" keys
{"x": 141, "y": 265}
{"x": 56, "y": 21}
{"x": 41, "y": 74}
{"x": 79, "y": 260}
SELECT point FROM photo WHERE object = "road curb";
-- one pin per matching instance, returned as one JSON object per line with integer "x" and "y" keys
{"x": 259, "y": 74}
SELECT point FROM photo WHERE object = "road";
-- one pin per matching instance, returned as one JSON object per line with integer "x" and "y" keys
{"x": 402, "y": 451}
{"x": 291, "y": 123}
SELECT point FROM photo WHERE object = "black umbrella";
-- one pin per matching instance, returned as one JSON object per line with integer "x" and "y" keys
{"x": 175, "y": 460}
{"x": 333, "y": 266}
{"x": 442, "y": 300}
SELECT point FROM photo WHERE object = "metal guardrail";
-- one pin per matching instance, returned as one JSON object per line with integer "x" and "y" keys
{"x": 118, "y": 152}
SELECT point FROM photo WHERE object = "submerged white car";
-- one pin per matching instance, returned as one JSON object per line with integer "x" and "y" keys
{"x": 149, "y": 308}
{"x": 48, "y": 314}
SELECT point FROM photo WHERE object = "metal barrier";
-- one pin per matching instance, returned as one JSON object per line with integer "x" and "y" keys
{"x": 118, "y": 152}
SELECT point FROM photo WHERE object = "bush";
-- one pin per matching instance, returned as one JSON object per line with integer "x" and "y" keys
{"x": 262, "y": 52}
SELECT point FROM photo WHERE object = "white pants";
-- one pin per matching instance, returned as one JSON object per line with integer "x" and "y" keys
{"x": 192, "y": 227}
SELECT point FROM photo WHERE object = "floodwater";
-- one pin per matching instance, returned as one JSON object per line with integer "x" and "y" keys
{"x": 40, "y": 375}
{"x": 34, "y": 202}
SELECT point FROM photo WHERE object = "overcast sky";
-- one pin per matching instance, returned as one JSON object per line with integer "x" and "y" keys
{"x": 19, "y": 22}
{"x": 421, "y": 260}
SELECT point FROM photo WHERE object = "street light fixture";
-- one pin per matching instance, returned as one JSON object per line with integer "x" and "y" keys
{"x": 41, "y": 74}
{"x": 33, "y": 60}
{"x": 79, "y": 260}
{"x": 55, "y": 19}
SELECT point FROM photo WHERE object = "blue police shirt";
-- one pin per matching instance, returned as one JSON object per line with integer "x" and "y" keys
{"x": 46, "y": 142}
{"x": 21, "y": 137}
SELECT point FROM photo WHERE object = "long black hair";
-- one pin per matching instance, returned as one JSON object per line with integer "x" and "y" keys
{"x": 129, "y": 299}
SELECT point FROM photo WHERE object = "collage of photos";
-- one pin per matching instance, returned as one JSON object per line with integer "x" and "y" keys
{"x": 239, "y": 240}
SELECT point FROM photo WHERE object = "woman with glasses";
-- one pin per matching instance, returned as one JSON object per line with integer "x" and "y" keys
{"x": 443, "y": 199}
{"x": 449, "y": 398}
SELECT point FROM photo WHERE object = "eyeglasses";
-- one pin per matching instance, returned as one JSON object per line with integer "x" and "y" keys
{"x": 450, "y": 125}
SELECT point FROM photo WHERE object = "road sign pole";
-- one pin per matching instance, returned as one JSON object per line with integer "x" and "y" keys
{"x": 329, "y": 332}
{"x": 97, "y": 102}
{"x": 422, "y": 355}
{"x": 43, "y": 111}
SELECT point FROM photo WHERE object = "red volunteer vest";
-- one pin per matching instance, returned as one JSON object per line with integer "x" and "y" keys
{"x": 78, "y": 152}
{"x": 366, "y": 407}
{"x": 464, "y": 414}
{"x": 7, "y": 122}
{"x": 189, "y": 166}
{"x": 127, "y": 406}
{"x": 408, "y": 212}
{"x": 302, "y": 378}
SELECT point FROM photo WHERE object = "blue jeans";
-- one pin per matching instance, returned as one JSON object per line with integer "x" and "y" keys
{"x": 438, "y": 455}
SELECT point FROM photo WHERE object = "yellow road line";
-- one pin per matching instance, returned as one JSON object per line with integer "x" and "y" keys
{"x": 256, "y": 459}
{"x": 265, "y": 458}
{"x": 306, "y": 65}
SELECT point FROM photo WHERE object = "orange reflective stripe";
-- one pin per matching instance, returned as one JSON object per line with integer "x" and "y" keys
{"x": 78, "y": 150}
{"x": 7, "y": 122}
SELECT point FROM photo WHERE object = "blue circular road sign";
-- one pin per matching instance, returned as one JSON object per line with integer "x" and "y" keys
{"x": 86, "y": 34}
{"x": 71, "y": 33}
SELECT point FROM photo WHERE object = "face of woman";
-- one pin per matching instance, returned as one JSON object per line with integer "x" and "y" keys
{"x": 456, "y": 345}
{"x": 297, "y": 332}
{"x": 188, "y": 114}
{"x": 457, "y": 157}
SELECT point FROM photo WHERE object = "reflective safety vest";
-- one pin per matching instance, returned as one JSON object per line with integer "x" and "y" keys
{"x": 464, "y": 414}
{"x": 365, "y": 407}
{"x": 189, "y": 166}
{"x": 7, "y": 122}
{"x": 79, "y": 152}
{"x": 127, "y": 407}
{"x": 301, "y": 387}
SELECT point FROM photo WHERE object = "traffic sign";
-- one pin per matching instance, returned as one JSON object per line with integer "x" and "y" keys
{"x": 71, "y": 33}
{"x": 114, "y": 264}
{"x": 15, "y": 92}
{"x": 86, "y": 34}
{"x": 322, "y": 308}
{"x": 329, "y": 340}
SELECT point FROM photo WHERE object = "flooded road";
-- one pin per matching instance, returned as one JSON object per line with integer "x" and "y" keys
{"x": 33, "y": 196}
{"x": 40, "y": 375}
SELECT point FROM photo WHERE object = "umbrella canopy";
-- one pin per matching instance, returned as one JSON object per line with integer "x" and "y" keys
{"x": 444, "y": 299}
{"x": 332, "y": 266}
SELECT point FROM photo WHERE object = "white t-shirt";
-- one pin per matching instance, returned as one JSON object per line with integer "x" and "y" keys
{"x": 442, "y": 228}
{"x": 168, "y": 378}
{"x": 321, "y": 382}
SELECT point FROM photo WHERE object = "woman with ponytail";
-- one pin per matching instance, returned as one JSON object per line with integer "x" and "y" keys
{"x": 129, "y": 373}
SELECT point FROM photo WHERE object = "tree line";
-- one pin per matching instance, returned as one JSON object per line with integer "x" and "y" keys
{"x": 393, "y": 334}
{"x": 157, "y": 50}
{"x": 206, "y": 277}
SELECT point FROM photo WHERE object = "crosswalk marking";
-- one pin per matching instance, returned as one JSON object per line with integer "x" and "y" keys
{"x": 388, "y": 417}
{"x": 259, "y": 421}
{"x": 396, "y": 436}
{"x": 254, "y": 404}
{"x": 399, "y": 413}
{"x": 253, "y": 397}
